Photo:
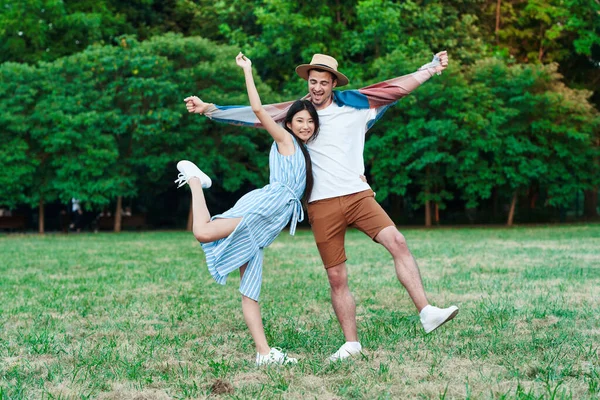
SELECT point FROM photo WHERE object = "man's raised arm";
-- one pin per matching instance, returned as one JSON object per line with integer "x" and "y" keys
{"x": 373, "y": 96}
{"x": 235, "y": 115}
{"x": 387, "y": 92}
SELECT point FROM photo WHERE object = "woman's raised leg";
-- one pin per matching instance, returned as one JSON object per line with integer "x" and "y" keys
{"x": 204, "y": 229}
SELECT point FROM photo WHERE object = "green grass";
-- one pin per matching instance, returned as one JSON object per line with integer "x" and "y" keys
{"x": 136, "y": 315}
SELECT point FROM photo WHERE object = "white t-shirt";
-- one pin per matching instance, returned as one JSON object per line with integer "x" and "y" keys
{"x": 337, "y": 152}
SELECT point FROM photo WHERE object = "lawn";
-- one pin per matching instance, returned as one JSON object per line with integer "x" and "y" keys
{"x": 137, "y": 316}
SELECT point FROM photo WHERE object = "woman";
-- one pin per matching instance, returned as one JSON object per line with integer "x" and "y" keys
{"x": 235, "y": 239}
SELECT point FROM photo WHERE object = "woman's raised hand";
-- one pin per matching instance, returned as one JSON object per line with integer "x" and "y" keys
{"x": 243, "y": 61}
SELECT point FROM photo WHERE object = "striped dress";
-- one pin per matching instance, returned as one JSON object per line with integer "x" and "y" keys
{"x": 264, "y": 212}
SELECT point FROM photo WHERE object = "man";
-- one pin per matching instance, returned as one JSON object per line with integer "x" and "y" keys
{"x": 340, "y": 198}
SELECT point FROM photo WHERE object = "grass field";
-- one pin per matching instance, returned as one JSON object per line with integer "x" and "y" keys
{"x": 137, "y": 316}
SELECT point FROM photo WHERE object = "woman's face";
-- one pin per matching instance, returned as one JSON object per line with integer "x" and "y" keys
{"x": 302, "y": 125}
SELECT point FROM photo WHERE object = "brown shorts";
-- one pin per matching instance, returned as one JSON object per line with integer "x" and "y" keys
{"x": 330, "y": 218}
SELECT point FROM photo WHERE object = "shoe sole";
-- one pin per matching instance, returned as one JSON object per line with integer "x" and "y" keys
{"x": 450, "y": 317}
{"x": 276, "y": 364}
{"x": 350, "y": 355}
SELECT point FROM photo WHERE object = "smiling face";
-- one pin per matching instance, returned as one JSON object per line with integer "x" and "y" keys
{"x": 320, "y": 87}
{"x": 302, "y": 125}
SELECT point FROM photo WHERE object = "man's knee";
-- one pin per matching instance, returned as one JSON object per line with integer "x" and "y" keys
{"x": 393, "y": 240}
{"x": 338, "y": 277}
{"x": 399, "y": 240}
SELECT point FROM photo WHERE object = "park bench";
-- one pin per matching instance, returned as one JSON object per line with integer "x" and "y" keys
{"x": 16, "y": 222}
{"x": 135, "y": 221}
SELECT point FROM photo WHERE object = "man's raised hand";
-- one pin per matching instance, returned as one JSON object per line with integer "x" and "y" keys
{"x": 195, "y": 105}
{"x": 443, "y": 56}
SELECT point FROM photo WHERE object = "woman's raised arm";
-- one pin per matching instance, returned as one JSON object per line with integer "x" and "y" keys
{"x": 279, "y": 134}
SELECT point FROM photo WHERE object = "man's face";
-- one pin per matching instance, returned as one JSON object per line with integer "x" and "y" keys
{"x": 320, "y": 85}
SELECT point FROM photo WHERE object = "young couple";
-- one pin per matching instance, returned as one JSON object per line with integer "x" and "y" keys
{"x": 317, "y": 152}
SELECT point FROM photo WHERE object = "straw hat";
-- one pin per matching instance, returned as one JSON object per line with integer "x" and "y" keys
{"x": 324, "y": 62}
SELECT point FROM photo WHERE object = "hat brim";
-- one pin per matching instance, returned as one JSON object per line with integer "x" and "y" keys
{"x": 302, "y": 71}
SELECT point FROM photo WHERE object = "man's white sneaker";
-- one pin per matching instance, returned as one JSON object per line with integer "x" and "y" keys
{"x": 348, "y": 349}
{"x": 189, "y": 170}
{"x": 275, "y": 357}
{"x": 434, "y": 317}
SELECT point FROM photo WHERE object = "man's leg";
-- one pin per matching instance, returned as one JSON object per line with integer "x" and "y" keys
{"x": 407, "y": 270}
{"x": 329, "y": 228}
{"x": 342, "y": 301}
{"x": 345, "y": 311}
{"x": 368, "y": 216}
{"x": 408, "y": 274}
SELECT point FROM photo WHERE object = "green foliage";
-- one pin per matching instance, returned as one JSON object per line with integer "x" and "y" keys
{"x": 493, "y": 125}
{"x": 547, "y": 132}
{"x": 280, "y": 34}
{"x": 549, "y": 30}
{"x": 25, "y": 173}
{"x": 42, "y": 30}
{"x": 111, "y": 120}
{"x": 99, "y": 111}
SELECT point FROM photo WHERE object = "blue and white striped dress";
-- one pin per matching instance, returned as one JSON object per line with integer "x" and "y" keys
{"x": 264, "y": 212}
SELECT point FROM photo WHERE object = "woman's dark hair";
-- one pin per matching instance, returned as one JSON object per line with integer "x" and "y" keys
{"x": 296, "y": 107}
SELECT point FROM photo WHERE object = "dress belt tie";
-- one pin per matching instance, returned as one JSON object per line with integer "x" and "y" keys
{"x": 298, "y": 213}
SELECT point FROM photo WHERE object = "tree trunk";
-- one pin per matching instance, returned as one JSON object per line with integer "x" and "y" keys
{"x": 511, "y": 212}
{"x": 190, "y": 221}
{"x": 428, "y": 213}
{"x": 118, "y": 214}
{"x": 437, "y": 214}
{"x": 338, "y": 15}
{"x": 498, "y": 4}
{"x": 396, "y": 207}
{"x": 533, "y": 196}
{"x": 590, "y": 203}
{"x": 41, "y": 216}
{"x": 541, "y": 50}
{"x": 495, "y": 203}
{"x": 427, "y": 202}
{"x": 590, "y": 197}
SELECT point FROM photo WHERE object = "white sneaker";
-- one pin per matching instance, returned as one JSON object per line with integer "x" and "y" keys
{"x": 275, "y": 357}
{"x": 434, "y": 317}
{"x": 189, "y": 170}
{"x": 347, "y": 350}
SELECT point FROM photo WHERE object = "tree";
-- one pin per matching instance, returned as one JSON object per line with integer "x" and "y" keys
{"x": 18, "y": 169}
{"x": 44, "y": 30}
{"x": 546, "y": 135}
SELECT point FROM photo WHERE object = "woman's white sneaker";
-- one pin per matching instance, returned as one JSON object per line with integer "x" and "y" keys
{"x": 275, "y": 357}
{"x": 188, "y": 170}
